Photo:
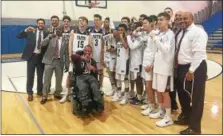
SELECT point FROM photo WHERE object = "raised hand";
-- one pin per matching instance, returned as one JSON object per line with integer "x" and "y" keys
{"x": 30, "y": 29}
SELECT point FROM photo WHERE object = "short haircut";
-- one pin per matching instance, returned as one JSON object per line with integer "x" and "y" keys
{"x": 148, "y": 19}
{"x": 127, "y": 18}
{"x": 98, "y": 16}
{"x": 66, "y": 17}
{"x": 169, "y": 8}
{"x": 143, "y": 15}
{"x": 137, "y": 24}
{"x": 54, "y": 16}
{"x": 164, "y": 14}
{"x": 107, "y": 18}
{"x": 40, "y": 19}
{"x": 124, "y": 26}
{"x": 84, "y": 18}
{"x": 153, "y": 17}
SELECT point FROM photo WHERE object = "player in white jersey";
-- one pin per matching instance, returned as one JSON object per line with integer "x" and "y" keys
{"x": 109, "y": 54}
{"x": 142, "y": 39}
{"x": 79, "y": 38}
{"x": 77, "y": 41}
{"x": 97, "y": 44}
{"x": 121, "y": 64}
{"x": 147, "y": 72}
{"x": 136, "y": 49}
{"x": 163, "y": 69}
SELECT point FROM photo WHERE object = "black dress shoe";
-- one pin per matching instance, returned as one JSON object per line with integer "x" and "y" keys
{"x": 58, "y": 97}
{"x": 182, "y": 120}
{"x": 39, "y": 93}
{"x": 189, "y": 131}
{"x": 43, "y": 101}
{"x": 30, "y": 97}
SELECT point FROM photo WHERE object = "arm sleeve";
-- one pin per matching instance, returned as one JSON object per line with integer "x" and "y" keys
{"x": 167, "y": 45}
{"x": 133, "y": 44}
{"x": 199, "y": 49}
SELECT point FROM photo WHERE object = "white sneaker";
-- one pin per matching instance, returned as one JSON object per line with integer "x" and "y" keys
{"x": 166, "y": 121}
{"x": 64, "y": 99}
{"x": 147, "y": 111}
{"x": 124, "y": 99}
{"x": 111, "y": 93}
{"x": 159, "y": 114}
{"x": 116, "y": 96}
{"x": 145, "y": 106}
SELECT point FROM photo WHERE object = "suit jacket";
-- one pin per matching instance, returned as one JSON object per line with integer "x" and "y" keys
{"x": 31, "y": 43}
{"x": 51, "y": 43}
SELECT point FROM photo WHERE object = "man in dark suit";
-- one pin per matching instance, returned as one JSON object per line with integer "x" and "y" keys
{"x": 33, "y": 54}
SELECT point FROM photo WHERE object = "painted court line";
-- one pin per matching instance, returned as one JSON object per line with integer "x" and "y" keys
{"x": 27, "y": 108}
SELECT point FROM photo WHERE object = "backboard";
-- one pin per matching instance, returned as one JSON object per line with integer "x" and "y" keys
{"x": 88, "y": 3}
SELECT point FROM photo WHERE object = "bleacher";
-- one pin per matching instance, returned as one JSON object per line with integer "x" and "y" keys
{"x": 211, "y": 20}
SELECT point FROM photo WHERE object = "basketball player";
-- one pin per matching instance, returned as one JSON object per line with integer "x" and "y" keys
{"x": 96, "y": 42}
{"x": 154, "y": 22}
{"x": 150, "y": 96}
{"x": 78, "y": 39}
{"x": 141, "y": 17}
{"x": 66, "y": 29}
{"x": 143, "y": 36}
{"x": 110, "y": 54}
{"x": 136, "y": 50}
{"x": 126, "y": 21}
{"x": 121, "y": 64}
{"x": 148, "y": 59}
{"x": 163, "y": 69}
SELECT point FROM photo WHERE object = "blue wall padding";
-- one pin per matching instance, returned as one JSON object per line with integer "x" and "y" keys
{"x": 213, "y": 23}
{"x": 10, "y": 44}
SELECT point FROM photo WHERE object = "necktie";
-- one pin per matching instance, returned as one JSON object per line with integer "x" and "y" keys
{"x": 39, "y": 40}
{"x": 178, "y": 49}
{"x": 57, "y": 48}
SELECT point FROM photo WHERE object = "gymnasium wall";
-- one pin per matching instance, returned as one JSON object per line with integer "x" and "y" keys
{"x": 17, "y": 15}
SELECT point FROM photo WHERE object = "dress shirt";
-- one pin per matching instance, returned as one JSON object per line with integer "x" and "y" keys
{"x": 36, "y": 50}
{"x": 193, "y": 47}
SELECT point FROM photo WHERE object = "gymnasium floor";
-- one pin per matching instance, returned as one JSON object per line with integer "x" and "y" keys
{"x": 22, "y": 117}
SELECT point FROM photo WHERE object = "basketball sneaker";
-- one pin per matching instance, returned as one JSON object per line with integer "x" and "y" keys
{"x": 124, "y": 99}
{"x": 159, "y": 114}
{"x": 147, "y": 111}
{"x": 166, "y": 121}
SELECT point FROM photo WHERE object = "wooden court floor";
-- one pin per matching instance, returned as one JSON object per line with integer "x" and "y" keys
{"x": 56, "y": 118}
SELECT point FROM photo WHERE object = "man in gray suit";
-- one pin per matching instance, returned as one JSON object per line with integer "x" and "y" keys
{"x": 55, "y": 59}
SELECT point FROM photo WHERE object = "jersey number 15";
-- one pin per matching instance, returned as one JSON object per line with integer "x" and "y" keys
{"x": 80, "y": 44}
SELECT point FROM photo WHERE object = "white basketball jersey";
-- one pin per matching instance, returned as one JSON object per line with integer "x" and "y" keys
{"x": 135, "y": 56}
{"x": 96, "y": 37}
{"x": 80, "y": 40}
{"x": 107, "y": 38}
{"x": 121, "y": 59}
